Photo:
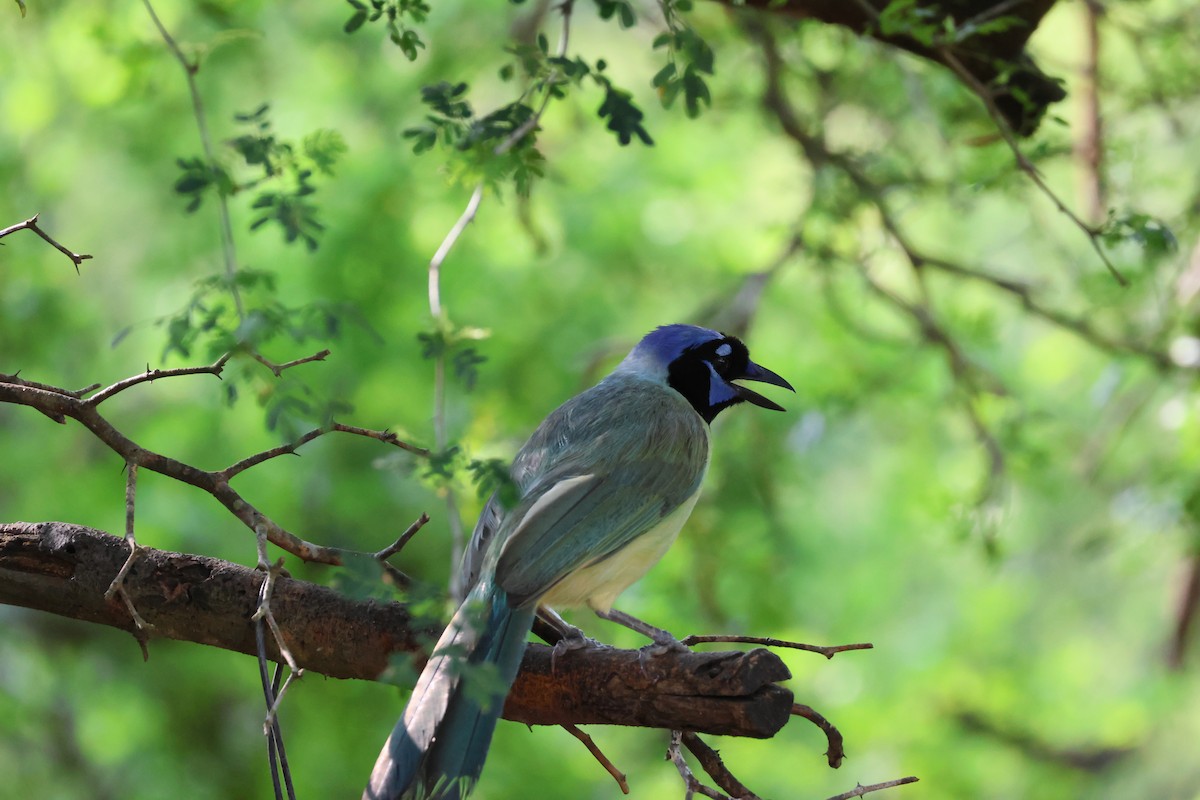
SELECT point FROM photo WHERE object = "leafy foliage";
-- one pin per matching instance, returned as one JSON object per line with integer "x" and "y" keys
{"x": 395, "y": 14}
{"x": 689, "y": 59}
{"x": 280, "y": 164}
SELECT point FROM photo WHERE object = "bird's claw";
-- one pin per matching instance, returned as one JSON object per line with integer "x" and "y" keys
{"x": 661, "y": 645}
{"x": 573, "y": 640}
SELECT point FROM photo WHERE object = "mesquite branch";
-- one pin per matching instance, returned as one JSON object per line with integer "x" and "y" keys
{"x": 61, "y": 404}
{"x": 64, "y": 569}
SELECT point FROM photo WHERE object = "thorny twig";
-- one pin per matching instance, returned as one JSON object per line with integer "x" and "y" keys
{"x": 264, "y": 614}
{"x": 278, "y": 369}
{"x": 404, "y": 538}
{"x": 59, "y": 404}
{"x": 860, "y": 790}
{"x": 387, "y": 437}
{"x": 829, "y": 651}
{"x": 155, "y": 374}
{"x": 31, "y": 224}
{"x": 117, "y": 587}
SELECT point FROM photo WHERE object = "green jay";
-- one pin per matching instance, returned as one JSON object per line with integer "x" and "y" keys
{"x": 605, "y": 483}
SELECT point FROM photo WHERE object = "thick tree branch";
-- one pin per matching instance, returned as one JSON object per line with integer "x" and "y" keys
{"x": 65, "y": 569}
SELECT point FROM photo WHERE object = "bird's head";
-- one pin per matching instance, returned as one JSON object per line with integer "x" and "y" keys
{"x": 701, "y": 365}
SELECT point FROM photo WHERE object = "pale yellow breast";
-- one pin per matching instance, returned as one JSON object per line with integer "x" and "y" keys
{"x": 597, "y": 585}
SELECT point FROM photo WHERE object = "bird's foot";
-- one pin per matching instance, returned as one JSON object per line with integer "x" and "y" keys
{"x": 573, "y": 639}
{"x": 663, "y": 641}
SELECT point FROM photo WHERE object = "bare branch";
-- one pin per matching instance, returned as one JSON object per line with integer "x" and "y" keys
{"x": 278, "y": 369}
{"x": 154, "y": 374}
{"x": 387, "y": 437}
{"x": 710, "y": 762}
{"x": 691, "y": 783}
{"x": 860, "y": 790}
{"x": 835, "y": 754}
{"x": 117, "y": 587}
{"x": 829, "y": 651}
{"x": 598, "y": 754}
{"x": 31, "y": 225}
{"x": 398, "y": 545}
{"x": 64, "y": 404}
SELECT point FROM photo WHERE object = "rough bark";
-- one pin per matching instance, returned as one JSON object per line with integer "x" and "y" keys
{"x": 65, "y": 569}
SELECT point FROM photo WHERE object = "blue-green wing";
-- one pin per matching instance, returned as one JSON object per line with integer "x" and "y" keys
{"x": 577, "y": 520}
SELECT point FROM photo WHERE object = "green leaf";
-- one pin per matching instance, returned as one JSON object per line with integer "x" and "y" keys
{"x": 355, "y": 22}
{"x": 325, "y": 147}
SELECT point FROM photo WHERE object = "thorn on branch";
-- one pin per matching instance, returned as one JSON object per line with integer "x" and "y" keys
{"x": 152, "y": 375}
{"x": 860, "y": 790}
{"x": 31, "y": 225}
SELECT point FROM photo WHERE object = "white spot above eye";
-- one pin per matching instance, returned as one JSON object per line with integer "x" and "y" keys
{"x": 725, "y": 349}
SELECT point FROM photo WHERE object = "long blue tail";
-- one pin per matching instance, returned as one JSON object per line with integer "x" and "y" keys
{"x": 437, "y": 749}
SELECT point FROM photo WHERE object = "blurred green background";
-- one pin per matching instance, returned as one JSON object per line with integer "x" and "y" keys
{"x": 1022, "y": 602}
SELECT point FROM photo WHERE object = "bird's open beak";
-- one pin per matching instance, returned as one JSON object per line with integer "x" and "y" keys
{"x": 756, "y": 373}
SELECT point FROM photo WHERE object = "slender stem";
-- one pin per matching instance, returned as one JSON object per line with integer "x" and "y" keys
{"x": 190, "y": 68}
{"x": 435, "y": 264}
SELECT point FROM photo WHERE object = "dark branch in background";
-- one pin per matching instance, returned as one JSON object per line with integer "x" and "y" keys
{"x": 970, "y": 377}
{"x": 1027, "y": 166}
{"x": 31, "y": 224}
{"x": 1086, "y": 759}
{"x": 59, "y": 404}
{"x": 1015, "y": 107}
{"x": 1021, "y": 100}
{"x": 1185, "y": 615}
{"x": 1089, "y": 147}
